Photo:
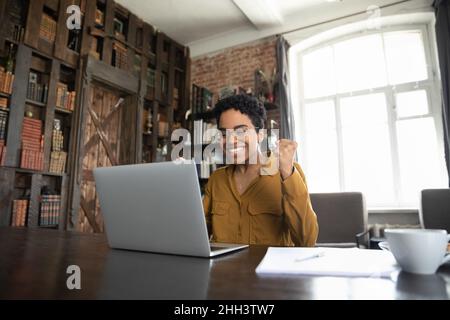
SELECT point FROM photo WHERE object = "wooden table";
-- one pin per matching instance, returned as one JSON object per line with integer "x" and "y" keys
{"x": 33, "y": 265}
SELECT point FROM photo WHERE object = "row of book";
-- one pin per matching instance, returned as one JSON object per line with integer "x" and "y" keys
{"x": 58, "y": 160}
{"x": 32, "y": 160}
{"x": 36, "y": 91}
{"x": 47, "y": 30}
{"x": 176, "y": 98}
{"x": 95, "y": 48}
{"x": 19, "y": 213}
{"x": 65, "y": 99}
{"x": 14, "y": 18}
{"x": 18, "y": 33}
{"x": 163, "y": 128}
{"x": 50, "y": 210}
{"x": 202, "y": 99}
{"x": 164, "y": 84}
{"x": 151, "y": 77}
{"x": 137, "y": 63}
{"x": 3, "y": 103}
{"x": 99, "y": 18}
{"x": 57, "y": 140}
{"x": 120, "y": 56}
{"x": 32, "y": 145}
{"x": 6, "y": 81}
{"x": 2, "y": 152}
{"x": 32, "y": 134}
{"x": 3, "y": 121}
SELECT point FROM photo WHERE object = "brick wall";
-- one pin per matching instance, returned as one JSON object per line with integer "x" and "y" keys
{"x": 235, "y": 66}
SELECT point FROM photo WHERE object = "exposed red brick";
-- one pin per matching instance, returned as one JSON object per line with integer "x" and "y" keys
{"x": 234, "y": 66}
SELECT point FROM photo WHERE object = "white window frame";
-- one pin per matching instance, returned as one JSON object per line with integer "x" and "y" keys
{"x": 432, "y": 86}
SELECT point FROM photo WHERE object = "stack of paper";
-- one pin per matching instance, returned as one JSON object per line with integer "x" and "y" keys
{"x": 328, "y": 262}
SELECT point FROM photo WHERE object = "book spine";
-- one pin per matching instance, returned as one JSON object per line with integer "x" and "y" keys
{"x": 45, "y": 94}
{"x": 52, "y": 212}
{"x": 43, "y": 210}
{"x": 49, "y": 211}
{"x": 2, "y": 81}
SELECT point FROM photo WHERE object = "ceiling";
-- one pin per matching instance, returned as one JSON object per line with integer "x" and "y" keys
{"x": 210, "y": 25}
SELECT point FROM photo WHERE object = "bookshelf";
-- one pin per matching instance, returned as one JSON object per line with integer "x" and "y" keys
{"x": 44, "y": 106}
{"x": 22, "y": 197}
{"x": 30, "y": 146}
{"x": 166, "y": 99}
{"x": 202, "y": 119}
{"x": 13, "y": 21}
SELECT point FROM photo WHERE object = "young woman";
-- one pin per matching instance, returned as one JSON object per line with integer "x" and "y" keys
{"x": 243, "y": 202}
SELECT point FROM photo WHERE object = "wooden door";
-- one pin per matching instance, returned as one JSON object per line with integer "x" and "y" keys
{"x": 108, "y": 138}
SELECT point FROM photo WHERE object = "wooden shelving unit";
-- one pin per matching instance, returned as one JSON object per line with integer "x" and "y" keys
{"x": 166, "y": 99}
{"x": 113, "y": 47}
{"x": 202, "y": 118}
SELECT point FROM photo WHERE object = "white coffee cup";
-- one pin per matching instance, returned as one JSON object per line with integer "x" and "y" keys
{"x": 420, "y": 251}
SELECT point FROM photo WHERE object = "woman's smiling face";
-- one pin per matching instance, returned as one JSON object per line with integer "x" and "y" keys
{"x": 240, "y": 140}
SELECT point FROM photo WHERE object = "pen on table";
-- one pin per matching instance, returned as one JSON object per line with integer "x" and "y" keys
{"x": 317, "y": 255}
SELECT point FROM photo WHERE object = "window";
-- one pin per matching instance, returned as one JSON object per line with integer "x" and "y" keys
{"x": 371, "y": 117}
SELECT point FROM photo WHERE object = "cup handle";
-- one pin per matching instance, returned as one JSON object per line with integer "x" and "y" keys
{"x": 384, "y": 246}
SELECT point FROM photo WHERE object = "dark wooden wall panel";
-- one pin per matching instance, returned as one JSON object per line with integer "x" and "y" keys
{"x": 52, "y": 4}
{"x": 7, "y": 176}
{"x": 113, "y": 76}
{"x": 17, "y": 106}
{"x": 62, "y": 35}
{"x": 34, "y": 22}
{"x": 33, "y": 210}
{"x": 2, "y": 18}
{"x": 89, "y": 20}
{"x": 131, "y": 38}
{"x": 109, "y": 29}
{"x": 64, "y": 200}
{"x": 159, "y": 50}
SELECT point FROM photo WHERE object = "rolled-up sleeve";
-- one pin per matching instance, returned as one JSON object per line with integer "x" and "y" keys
{"x": 300, "y": 216}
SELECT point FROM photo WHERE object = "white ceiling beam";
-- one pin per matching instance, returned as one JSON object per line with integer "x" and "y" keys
{"x": 261, "y": 13}
{"x": 308, "y": 18}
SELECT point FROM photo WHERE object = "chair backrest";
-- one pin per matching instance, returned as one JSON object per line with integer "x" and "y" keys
{"x": 341, "y": 216}
{"x": 435, "y": 209}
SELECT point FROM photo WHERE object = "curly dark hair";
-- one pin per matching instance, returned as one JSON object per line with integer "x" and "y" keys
{"x": 245, "y": 104}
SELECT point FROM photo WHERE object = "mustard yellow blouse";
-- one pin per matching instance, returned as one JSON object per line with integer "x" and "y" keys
{"x": 270, "y": 212}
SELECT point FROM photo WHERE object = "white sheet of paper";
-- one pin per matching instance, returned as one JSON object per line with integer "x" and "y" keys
{"x": 332, "y": 262}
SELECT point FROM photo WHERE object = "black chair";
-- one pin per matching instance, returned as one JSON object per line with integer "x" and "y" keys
{"x": 342, "y": 219}
{"x": 435, "y": 209}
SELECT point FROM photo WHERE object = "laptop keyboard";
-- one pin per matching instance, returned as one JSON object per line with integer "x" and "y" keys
{"x": 214, "y": 248}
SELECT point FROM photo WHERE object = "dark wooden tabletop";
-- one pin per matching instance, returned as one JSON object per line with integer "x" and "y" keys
{"x": 33, "y": 265}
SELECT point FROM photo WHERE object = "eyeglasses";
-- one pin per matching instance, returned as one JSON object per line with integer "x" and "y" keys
{"x": 241, "y": 132}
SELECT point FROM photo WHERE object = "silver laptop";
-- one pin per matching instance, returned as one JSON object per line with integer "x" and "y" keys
{"x": 156, "y": 208}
